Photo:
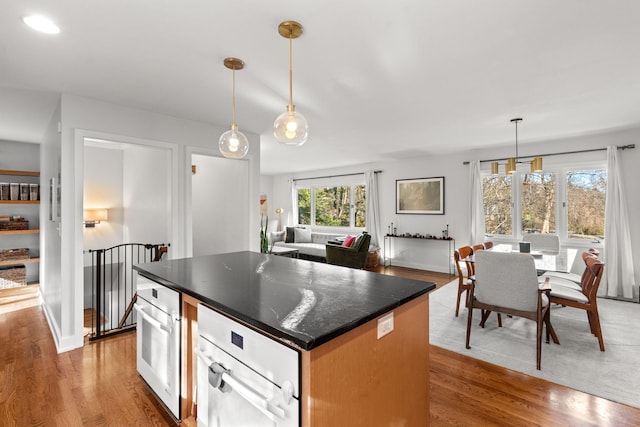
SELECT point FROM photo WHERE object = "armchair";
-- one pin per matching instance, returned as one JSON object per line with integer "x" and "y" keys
{"x": 354, "y": 256}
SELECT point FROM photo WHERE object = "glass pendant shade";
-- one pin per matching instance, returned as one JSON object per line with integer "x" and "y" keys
{"x": 511, "y": 166}
{"x": 291, "y": 128}
{"x": 495, "y": 168}
{"x": 233, "y": 144}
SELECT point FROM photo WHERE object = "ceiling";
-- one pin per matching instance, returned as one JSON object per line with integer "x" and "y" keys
{"x": 375, "y": 80}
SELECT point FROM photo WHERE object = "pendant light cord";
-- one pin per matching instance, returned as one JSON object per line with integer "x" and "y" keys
{"x": 290, "y": 69}
{"x": 234, "y": 125}
{"x": 516, "y": 140}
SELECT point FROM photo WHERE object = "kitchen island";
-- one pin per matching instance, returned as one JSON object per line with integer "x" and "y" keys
{"x": 363, "y": 337}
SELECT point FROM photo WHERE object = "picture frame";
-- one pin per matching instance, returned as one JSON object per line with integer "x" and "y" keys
{"x": 420, "y": 196}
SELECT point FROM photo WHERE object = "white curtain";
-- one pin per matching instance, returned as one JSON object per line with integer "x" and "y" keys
{"x": 476, "y": 205}
{"x": 373, "y": 209}
{"x": 292, "y": 218}
{"x": 617, "y": 244}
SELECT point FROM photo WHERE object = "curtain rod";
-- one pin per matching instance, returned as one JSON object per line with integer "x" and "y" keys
{"x": 620, "y": 147}
{"x": 333, "y": 176}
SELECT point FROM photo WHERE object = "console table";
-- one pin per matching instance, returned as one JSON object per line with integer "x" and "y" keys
{"x": 447, "y": 244}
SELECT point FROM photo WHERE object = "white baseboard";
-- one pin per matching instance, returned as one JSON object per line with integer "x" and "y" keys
{"x": 63, "y": 344}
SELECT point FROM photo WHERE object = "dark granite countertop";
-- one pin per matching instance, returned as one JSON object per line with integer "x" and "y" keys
{"x": 306, "y": 303}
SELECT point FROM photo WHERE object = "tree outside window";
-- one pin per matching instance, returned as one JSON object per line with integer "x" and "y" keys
{"x": 586, "y": 195}
{"x": 538, "y": 196}
{"x": 538, "y": 203}
{"x": 497, "y": 205}
{"x": 304, "y": 206}
{"x": 338, "y": 206}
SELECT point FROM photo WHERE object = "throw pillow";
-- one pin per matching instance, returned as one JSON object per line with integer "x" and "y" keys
{"x": 288, "y": 238}
{"x": 348, "y": 241}
{"x": 358, "y": 242}
{"x": 302, "y": 235}
{"x": 277, "y": 236}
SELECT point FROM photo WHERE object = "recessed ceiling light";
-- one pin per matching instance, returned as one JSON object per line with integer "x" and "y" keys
{"x": 41, "y": 23}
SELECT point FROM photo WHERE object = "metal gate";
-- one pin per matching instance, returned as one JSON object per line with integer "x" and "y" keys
{"x": 113, "y": 286}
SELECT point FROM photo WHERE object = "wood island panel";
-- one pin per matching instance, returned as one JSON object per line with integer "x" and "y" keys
{"x": 189, "y": 362}
{"x": 354, "y": 379}
{"x": 358, "y": 380}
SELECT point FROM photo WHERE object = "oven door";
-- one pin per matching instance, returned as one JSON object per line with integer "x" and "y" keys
{"x": 158, "y": 362}
{"x": 230, "y": 394}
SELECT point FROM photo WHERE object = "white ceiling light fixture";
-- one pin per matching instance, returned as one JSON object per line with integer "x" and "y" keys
{"x": 233, "y": 143}
{"x": 291, "y": 128}
{"x": 41, "y": 24}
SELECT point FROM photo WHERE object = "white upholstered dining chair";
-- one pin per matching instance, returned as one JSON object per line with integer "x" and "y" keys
{"x": 508, "y": 283}
{"x": 543, "y": 242}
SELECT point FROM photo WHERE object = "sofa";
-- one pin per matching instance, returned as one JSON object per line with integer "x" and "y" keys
{"x": 310, "y": 244}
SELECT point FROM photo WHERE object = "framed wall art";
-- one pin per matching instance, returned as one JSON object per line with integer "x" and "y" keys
{"x": 420, "y": 196}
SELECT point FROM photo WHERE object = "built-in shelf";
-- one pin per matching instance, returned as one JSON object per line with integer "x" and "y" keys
{"x": 18, "y": 173}
{"x": 6, "y": 206}
{"x": 19, "y": 261}
{"x": 30, "y": 231}
{"x": 20, "y": 202}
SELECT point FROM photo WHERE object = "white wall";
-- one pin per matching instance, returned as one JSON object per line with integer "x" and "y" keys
{"x": 103, "y": 188}
{"x": 457, "y": 189}
{"x": 220, "y": 212}
{"x": 146, "y": 196}
{"x": 53, "y": 290}
{"x": 80, "y": 118}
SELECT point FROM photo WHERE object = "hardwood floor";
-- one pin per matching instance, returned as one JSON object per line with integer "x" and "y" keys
{"x": 98, "y": 384}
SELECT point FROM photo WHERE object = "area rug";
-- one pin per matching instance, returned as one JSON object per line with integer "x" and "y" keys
{"x": 577, "y": 362}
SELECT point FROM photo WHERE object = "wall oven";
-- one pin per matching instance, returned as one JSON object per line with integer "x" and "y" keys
{"x": 243, "y": 377}
{"x": 158, "y": 341}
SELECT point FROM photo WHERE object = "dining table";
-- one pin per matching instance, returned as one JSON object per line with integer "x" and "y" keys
{"x": 544, "y": 260}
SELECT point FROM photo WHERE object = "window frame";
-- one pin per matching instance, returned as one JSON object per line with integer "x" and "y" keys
{"x": 560, "y": 171}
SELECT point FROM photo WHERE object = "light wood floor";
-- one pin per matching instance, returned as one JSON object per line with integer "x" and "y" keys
{"x": 98, "y": 384}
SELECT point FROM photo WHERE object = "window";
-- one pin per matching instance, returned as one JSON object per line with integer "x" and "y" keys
{"x": 332, "y": 206}
{"x": 497, "y": 204}
{"x": 585, "y": 203}
{"x": 568, "y": 201}
{"x": 538, "y": 203}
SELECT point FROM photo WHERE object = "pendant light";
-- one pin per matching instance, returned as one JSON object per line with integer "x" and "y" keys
{"x": 495, "y": 168}
{"x": 233, "y": 143}
{"x": 536, "y": 165}
{"x": 290, "y": 128}
{"x": 511, "y": 163}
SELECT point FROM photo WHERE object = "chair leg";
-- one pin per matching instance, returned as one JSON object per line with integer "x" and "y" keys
{"x": 539, "y": 322}
{"x": 550, "y": 330}
{"x": 461, "y": 290}
{"x": 596, "y": 326}
{"x": 469, "y": 316}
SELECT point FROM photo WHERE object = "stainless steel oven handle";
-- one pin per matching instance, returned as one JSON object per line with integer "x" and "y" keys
{"x": 153, "y": 322}
{"x": 256, "y": 399}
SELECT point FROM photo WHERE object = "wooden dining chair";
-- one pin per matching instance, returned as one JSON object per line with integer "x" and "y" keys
{"x": 463, "y": 280}
{"x": 508, "y": 283}
{"x": 575, "y": 275}
{"x": 584, "y": 298}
